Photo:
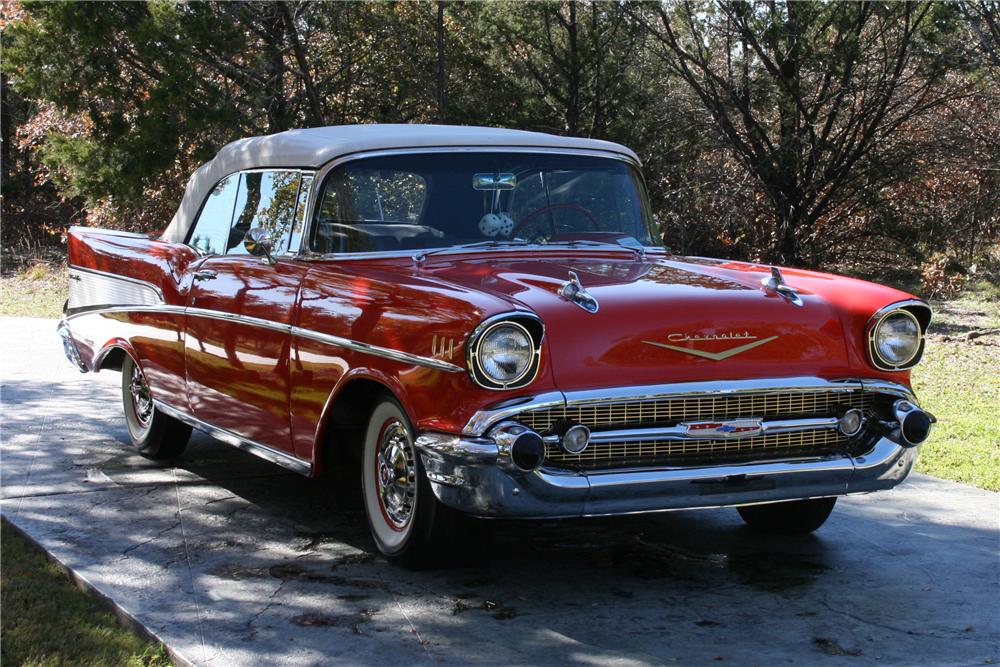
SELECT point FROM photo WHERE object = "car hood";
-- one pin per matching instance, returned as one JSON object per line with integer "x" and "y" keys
{"x": 662, "y": 319}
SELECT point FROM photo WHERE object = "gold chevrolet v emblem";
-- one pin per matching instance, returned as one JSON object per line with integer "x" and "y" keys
{"x": 714, "y": 356}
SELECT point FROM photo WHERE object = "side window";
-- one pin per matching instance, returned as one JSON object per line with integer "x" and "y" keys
{"x": 265, "y": 199}
{"x": 211, "y": 229}
{"x": 365, "y": 209}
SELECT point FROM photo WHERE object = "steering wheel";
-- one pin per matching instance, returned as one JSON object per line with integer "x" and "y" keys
{"x": 554, "y": 207}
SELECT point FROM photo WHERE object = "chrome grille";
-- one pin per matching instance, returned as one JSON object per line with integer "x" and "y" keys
{"x": 764, "y": 404}
{"x": 690, "y": 451}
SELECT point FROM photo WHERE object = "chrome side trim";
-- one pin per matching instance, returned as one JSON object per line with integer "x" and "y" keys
{"x": 682, "y": 431}
{"x": 259, "y": 450}
{"x": 232, "y": 317}
{"x": 105, "y": 309}
{"x": 482, "y": 420}
{"x": 375, "y": 350}
{"x": 357, "y": 346}
{"x": 90, "y": 287}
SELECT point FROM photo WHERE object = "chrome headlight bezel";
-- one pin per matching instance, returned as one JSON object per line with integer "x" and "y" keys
{"x": 919, "y": 312}
{"x": 527, "y": 323}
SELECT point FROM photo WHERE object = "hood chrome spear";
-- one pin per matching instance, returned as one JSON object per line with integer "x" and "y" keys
{"x": 776, "y": 283}
{"x": 573, "y": 290}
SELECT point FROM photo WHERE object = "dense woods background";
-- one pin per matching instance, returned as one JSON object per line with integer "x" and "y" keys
{"x": 863, "y": 138}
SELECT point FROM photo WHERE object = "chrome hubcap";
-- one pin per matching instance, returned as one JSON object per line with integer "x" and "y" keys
{"x": 142, "y": 401}
{"x": 396, "y": 474}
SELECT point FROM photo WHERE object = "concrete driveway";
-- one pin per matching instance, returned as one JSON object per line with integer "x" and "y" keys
{"x": 231, "y": 561}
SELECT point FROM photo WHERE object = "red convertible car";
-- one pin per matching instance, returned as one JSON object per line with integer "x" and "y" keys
{"x": 484, "y": 322}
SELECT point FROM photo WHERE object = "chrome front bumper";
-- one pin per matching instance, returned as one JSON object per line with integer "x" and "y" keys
{"x": 465, "y": 474}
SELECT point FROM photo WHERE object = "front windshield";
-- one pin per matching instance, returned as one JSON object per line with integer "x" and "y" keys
{"x": 439, "y": 200}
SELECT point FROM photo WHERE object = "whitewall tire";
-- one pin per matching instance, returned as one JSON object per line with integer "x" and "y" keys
{"x": 154, "y": 434}
{"x": 407, "y": 521}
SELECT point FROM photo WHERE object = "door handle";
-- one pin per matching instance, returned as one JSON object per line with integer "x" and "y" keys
{"x": 205, "y": 274}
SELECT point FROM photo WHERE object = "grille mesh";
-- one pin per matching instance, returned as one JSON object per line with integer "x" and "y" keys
{"x": 768, "y": 446}
{"x": 774, "y": 404}
{"x": 767, "y": 405}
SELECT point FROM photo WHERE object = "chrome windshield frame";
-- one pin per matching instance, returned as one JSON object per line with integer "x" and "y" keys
{"x": 320, "y": 176}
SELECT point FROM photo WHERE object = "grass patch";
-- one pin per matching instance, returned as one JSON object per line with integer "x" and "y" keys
{"x": 48, "y": 622}
{"x": 959, "y": 382}
{"x": 37, "y": 291}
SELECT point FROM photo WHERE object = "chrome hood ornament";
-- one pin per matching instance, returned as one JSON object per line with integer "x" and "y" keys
{"x": 573, "y": 290}
{"x": 776, "y": 283}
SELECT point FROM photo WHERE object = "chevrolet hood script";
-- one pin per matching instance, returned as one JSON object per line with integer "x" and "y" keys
{"x": 714, "y": 356}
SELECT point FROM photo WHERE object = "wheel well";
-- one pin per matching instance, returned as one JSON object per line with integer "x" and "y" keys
{"x": 111, "y": 360}
{"x": 344, "y": 433}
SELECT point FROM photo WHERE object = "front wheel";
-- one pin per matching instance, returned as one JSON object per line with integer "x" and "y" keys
{"x": 788, "y": 518}
{"x": 408, "y": 523}
{"x": 154, "y": 434}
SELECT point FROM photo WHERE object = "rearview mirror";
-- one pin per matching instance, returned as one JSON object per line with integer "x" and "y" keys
{"x": 499, "y": 181}
{"x": 259, "y": 244}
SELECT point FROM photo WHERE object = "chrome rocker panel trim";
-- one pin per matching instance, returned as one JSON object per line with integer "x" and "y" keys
{"x": 481, "y": 421}
{"x": 270, "y": 454}
{"x": 464, "y": 475}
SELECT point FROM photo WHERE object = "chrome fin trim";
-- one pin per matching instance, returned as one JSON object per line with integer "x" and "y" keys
{"x": 90, "y": 287}
{"x": 270, "y": 454}
{"x": 108, "y": 232}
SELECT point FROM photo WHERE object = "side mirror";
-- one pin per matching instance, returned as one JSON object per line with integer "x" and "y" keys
{"x": 259, "y": 244}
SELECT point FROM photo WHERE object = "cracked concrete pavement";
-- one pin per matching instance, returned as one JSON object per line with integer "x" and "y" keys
{"x": 232, "y": 561}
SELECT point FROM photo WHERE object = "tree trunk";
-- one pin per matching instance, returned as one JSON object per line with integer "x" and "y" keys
{"x": 277, "y": 104}
{"x": 6, "y": 130}
{"x": 440, "y": 63}
{"x": 573, "y": 101}
{"x": 316, "y": 116}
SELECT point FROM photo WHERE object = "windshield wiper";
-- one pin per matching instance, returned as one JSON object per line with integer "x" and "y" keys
{"x": 639, "y": 250}
{"x": 419, "y": 258}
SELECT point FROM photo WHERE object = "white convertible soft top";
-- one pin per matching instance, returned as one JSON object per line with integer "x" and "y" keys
{"x": 312, "y": 148}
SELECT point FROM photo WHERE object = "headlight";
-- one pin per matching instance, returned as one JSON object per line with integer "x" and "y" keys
{"x": 896, "y": 339}
{"x": 504, "y": 354}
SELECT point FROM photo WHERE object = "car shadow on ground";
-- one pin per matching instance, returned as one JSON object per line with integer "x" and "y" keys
{"x": 267, "y": 555}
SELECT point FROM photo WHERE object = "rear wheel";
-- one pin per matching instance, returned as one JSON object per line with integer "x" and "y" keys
{"x": 154, "y": 434}
{"x": 788, "y": 518}
{"x": 408, "y": 523}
